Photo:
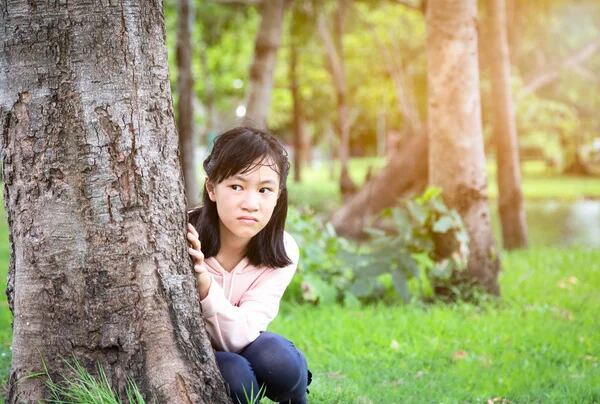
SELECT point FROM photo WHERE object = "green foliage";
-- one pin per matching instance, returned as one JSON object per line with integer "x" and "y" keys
{"x": 427, "y": 243}
{"x": 81, "y": 387}
{"x": 552, "y": 126}
{"x": 325, "y": 271}
{"x": 399, "y": 262}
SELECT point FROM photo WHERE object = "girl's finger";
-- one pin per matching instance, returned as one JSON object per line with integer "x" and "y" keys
{"x": 200, "y": 268}
{"x": 196, "y": 254}
{"x": 194, "y": 241}
{"x": 192, "y": 229}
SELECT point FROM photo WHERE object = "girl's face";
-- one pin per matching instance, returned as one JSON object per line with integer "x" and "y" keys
{"x": 245, "y": 202}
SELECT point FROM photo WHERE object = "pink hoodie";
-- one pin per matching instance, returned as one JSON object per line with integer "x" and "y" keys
{"x": 243, "y": 302}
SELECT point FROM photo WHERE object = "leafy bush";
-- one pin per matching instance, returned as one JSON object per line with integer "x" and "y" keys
{"x": 324, "y": 271}
{"x": 423, "y": 248}
{"x": 415, "y": 250}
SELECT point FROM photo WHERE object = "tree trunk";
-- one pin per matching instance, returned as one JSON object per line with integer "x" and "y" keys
{"x": 208, "y": 98}
{"x": 95, "y": 203}
{"x": 335, "y": 60}
{"x": 185, "y": 87}
{"x": 300, "y": 141}
{"x": 404, "y": 175}
{"x": 456, "y": 157}
{"x": 267, "y": 43}
{"x": 510, "y": 197}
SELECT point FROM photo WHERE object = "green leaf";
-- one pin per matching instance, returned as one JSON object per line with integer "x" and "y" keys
{"x": 350, "y": 301}
{"x": 417, "y": 212}
{"x": 429, "y": 194}
{"x": 401, "y": 285}
{"x": 443, "y": 224}
{"x": 408, "y": 265}
{"x": 372, "y": 231}
{"x": 423, "y": 261}
{"x": 363, "y": 287}
{"x": 314, "y": 289}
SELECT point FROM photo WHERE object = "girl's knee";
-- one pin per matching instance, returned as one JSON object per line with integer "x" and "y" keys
{"x": 238, "y": 376}
{"x": 232, "y": 365}
{"x": 279, "y": 365}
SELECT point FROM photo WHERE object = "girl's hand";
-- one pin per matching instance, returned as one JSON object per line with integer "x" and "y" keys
{"x": 203, "y": 278}
{"x": 194, "y": 249}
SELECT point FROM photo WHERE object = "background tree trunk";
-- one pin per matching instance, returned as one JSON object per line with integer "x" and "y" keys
{"x": 95, "y": 203}
{"x": 404, "y": 175}
{"x": 300, "y": 140}
{"x": 335, "y": 59}
{"x": 208, "y": 100}
{"x": 267, "y": 43}
{"x": 510, "y": 197}
{"x": 188, "y": 140}
{"x": 456, "y": 157}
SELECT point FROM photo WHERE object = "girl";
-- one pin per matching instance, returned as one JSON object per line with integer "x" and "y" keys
{"x": 244, "y": 260}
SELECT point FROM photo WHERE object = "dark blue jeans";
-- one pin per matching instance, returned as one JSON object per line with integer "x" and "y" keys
{"x": 270, "y": 362}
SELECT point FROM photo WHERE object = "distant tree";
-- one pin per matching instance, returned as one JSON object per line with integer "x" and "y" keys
{"x": 301, "y": 141}
{"x": 334, "y": 50}
{"x": 188, "y": 140}
{"x": 94, "y": 195}
{"x": 266, "y": 45}
{"x": 510, "y": 196}
{"x": 456, "y": 156}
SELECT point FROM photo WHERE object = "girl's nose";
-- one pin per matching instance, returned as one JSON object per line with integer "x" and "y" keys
{"x": 251, "y": 202}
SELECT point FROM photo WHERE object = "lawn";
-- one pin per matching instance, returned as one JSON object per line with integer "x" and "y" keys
{"x": 538, "y": 343}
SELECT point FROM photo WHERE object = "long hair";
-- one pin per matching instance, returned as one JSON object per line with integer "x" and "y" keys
{"x": 236, "y": 151}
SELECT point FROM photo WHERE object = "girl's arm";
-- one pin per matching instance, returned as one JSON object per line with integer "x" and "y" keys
{"x": 235, "y": 326}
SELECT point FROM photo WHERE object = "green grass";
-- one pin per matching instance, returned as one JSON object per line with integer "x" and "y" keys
{"x": 5, "y": 315}
{"x": 539, "y": 343}
{"x": 81, "y": 387}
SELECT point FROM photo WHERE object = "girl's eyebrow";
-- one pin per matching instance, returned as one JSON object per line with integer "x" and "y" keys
{"x": 240, "y": 178}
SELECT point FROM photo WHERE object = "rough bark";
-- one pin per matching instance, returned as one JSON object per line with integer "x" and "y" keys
{"x": 95, "y": 203}
{"x": 456, "y": 156}
{"x": 266, "y": 45}
{"x": 404, "y": 175}
{"x": 510, "y": 197}
{"x": 185, "y": 111}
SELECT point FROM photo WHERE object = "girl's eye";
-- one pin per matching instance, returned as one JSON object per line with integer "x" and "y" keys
{"x": 235, "y": 185}
{"x": 268, "y": 189}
